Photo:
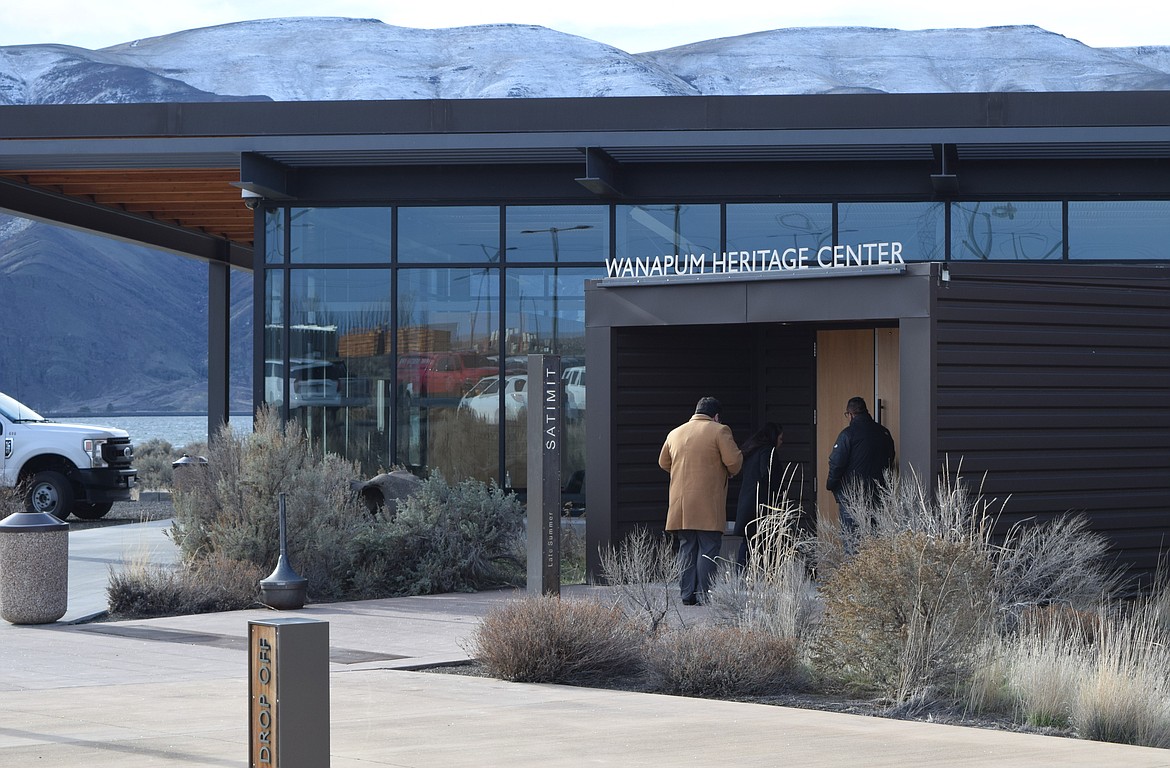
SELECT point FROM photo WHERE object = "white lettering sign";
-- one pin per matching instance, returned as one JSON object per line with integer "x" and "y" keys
{"x": 763, "y": 260}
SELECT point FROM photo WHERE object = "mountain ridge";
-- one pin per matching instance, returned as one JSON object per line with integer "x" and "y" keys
{"x": 362, "y": 59}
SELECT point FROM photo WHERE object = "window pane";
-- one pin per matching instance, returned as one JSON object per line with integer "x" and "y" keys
{"x": 919, "y": 227}
{"x": 778, "y": 226}
{"x": 448, "y": 336}
{"x": 449, "y": 235}
{"x": 273, "y": 335}
{"x": 546, "y": 314}
{"x": 659, "y": 230}
{"x": 557, "y": 233}
{"x": 340, "y": 235}
{"x": 339, "y": 362}
{"x": 1006, "y": 231}
{"x": 1119, "y": 230}
{"x": 274, "y": 236}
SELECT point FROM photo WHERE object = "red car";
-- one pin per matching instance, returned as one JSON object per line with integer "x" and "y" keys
{"x": 442, "y": 374}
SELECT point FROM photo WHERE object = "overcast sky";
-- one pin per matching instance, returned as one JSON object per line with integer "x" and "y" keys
{"x": 632, "y": 25}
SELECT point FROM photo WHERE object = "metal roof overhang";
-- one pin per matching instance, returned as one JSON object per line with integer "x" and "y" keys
{"x": 170, "y": 175}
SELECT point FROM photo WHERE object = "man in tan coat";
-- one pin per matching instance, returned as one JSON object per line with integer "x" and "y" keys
{"x": 699, "y": 455}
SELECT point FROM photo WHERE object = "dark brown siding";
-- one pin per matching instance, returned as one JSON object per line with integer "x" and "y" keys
{"x": 758, "y": 372}
{"x": 1054, "y": 380}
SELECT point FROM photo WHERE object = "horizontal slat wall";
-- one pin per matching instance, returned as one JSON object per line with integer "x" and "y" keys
{"x": 758, "y": 373}
{"x": 1054, "y": 380}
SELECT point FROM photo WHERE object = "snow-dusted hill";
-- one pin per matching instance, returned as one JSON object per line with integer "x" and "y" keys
{"x": 853, "y": 59}
{"x": 325, "y": 59}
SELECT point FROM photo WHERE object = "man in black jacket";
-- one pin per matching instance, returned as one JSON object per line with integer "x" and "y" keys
{"x": 863, "y": 452}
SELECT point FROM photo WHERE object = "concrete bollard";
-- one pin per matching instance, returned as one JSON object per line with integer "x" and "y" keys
{"x": 34, "y": 568}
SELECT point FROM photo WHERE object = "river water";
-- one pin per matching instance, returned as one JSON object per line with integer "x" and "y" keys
{"x": 179, "y": 431}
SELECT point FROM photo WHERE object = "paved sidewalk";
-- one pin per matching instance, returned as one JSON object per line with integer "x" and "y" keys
{"x": 173, "y": 692}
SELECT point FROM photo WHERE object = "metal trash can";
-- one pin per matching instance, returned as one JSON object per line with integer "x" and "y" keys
{"x": 184, "y": 469}
{"x": 34, "y": 568}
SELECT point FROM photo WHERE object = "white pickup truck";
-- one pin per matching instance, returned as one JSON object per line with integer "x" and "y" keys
{"x": 65, "y": 468}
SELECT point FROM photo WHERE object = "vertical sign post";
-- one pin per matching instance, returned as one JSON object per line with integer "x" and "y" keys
{"x": 288, "y": 693}
{"x": 546, "y": 393}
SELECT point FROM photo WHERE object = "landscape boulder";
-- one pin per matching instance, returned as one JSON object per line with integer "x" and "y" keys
{"x": 383, "y": 491}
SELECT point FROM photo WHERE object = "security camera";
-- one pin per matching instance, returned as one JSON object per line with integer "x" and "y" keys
{"x": 251, "y": 199}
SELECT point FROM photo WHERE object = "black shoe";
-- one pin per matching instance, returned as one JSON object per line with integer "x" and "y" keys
{"x": 690, "y": 601}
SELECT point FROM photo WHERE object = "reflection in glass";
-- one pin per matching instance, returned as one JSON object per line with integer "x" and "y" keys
{"x": 546, "y": 315}
{"x": 920, "y": 227}
{"x": 273, "y": 336}
{"x": 274, "y": 235}
{"x": 777, "y": 226}
{"x": 1135, "y": 229}
{"x": 449, "y": 235}
{"x": 557, "y": 233}
{"x": 1019, "y": 231}
{"x": 339, "y": 362}
{"x": 241, "y": 360}
{"x": 448, "y": 342}
{"x": 647, "y": 231}
{"x": 340, "y": 235}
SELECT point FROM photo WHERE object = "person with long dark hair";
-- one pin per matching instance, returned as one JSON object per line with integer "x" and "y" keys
{"x": 758, "y": 476}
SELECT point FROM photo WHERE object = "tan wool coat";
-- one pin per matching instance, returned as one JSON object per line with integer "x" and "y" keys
{"x": 699, "y": 455}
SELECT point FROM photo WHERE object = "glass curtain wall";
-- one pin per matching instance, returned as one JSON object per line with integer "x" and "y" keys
{"x": 779, "y": 226}
{"x": 1133, "y": 230}
{"x": 401, "y": 336}
{"x": 1007, "y": 231}
{"x": 668, "y": 229}
{"x": 448, "y": 340}
{"x": 919, "y": 227}
{"x": 546, "y": 315}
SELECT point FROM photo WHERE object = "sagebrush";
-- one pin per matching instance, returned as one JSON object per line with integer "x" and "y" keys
{"x": 722, "y": 662}
{"x": 643, "y": 573}
{"x": 444, "y": 538}
{"x": 544, "y": 639}
{"x": 141, "y": 591}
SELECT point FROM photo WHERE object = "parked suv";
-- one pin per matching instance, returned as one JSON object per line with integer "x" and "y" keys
{"x": 483, "y": 400}
{"x": 574, "y": 378}
{"x": 312, "y": 382}
{"x": 66, "y": 468}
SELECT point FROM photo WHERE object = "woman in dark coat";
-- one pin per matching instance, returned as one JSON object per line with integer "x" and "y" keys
{"x": 758, "y": 474}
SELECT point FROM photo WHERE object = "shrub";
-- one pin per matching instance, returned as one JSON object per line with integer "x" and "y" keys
{"x": 643, "y": 573}
{"x": 545, "y": 639}
{"x": 1060, "y": 562}
{"x": 444, "y": 539}
{"x": 905, "y": 615}
{"x": 153, "y": 459}
{"x": 12, "y": 499}
{"x": 775, "y": 592}
{"x": 229, "y": 507}
{"x": 572, "y": 554}
{"x": 722, "y": 662}
{"x": 142, "y": 591}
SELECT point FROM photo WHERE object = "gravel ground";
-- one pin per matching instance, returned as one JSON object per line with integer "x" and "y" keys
{"x": 821, "y": 701}
{"x": 125, "y": 512}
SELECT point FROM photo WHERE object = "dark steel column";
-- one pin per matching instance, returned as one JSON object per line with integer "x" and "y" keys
{"x": 218, "y": 344}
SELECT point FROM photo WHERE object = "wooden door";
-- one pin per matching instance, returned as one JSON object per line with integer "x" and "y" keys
{"x": 852, "y": 363}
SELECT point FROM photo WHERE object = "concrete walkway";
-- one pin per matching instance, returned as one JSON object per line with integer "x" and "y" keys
{"x": 172, "y": 692}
